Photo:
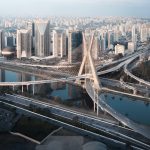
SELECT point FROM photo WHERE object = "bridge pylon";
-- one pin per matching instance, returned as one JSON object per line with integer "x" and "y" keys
{"x": 88, "y": 67}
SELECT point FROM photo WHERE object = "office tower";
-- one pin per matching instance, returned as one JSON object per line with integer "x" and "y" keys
{"x": 59, "y": 43}
{"x": 95, "y": 48}
{"x": 110, "y": 39}
{"x": 42, "y": 38}
{"x": 75, "y": 49}
{"x": 134, "y": 36}
{"x": 9, "y": 41}
{"x": 102, "y": 38}
{"x": 131, "y": 46}
{"x": 14, "y": 40}
{"x": 144, "y": 33}
{"x": 2, "y": 75}
{"x": 23, "y": 43}
{"x": 122, "y": 29}
{"x": 149, "y": 32}
{"x": 2, "y": 40}
{"x": 95, "y": 51}
{"x": 31, "y": 26}
{"x": 116, "y": 35}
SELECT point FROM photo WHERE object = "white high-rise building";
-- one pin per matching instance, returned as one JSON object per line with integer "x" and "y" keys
{"x": 149, "y": 32}
{"x": 42, "y": 38}
{"x": 110, "y": 39}
{"x": 95, "y": 47}
{"x": 2, "y": 41}
{"x": 144, "y": 33}
{"x": 134, "y": 35}
{"x": 95, "y": 51}
{"x": 122, "y": 29}
{"x": 102, "y": 41}
{"x": 59, "y": 43}
{"x": 75, "y": 46}
{"x": 24, "y": 43}
{"x": 116, "y": 35}
{"x": 131, "y": 46}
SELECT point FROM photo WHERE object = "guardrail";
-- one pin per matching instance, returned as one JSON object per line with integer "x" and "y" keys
{"x": 127, "y": 122}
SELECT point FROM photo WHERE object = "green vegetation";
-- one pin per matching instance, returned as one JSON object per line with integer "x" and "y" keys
{"x": 143, "y": 71}
{"x": 117, "y": 57}
{"x": 3, "y": 106}
{"x": 5, "y": 89}
{"x": 114, "y": 75}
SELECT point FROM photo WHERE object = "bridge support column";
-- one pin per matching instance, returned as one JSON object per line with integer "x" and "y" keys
{"x": 88, "y": 67}
{"x": 97, "y": 107}
{"x": 33, "y": 89}
{"x": 13, "y": 88}
{"x": 27, "y": 88}
{"x": 94, "y": 106}
{"x": 134, "y": 91}
{"x": 22, "y": 88}
{"x": 96, "y": 101}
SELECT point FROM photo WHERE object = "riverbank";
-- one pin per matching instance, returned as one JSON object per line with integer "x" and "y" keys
{"x": 11, "y": 142}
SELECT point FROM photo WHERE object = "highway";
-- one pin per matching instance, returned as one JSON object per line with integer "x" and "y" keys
{"x": 122, "y": 84}
{"x": 38, "y": 65}
{"x": 67, "y": 78}
{"x": 134, "y": 77}
{"x": 90, "y": 90}
{"x": 145, "y": 131}
{"x": 127, "y": 85}
{"x": 44, "y": 81}
{"x": 81, "y": 131}
{"x": 120, "y": 60}
{"x": 119, "y": 65}
{"x": 113, "y": 129}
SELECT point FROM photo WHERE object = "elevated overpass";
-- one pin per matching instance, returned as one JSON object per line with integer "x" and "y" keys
{"x": 44, "y": 81}
{"x": 93, "y": 86}
{"x": 135, "y": 77}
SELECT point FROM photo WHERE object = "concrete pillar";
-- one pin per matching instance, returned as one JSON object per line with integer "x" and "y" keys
{"x": 33, "y": 89}
{"x": 13, "y": 88}
{"x": 94, "y": 106}
{"x": 94, "y": 100}
{"x": 135, "y": 92}
{"x": 22, "y": 88}
{"x": 27, "y": 88}
{"x": 97, "y": 107}
{"x": 97, "y": 103}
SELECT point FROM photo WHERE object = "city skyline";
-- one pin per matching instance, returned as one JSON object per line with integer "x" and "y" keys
{"x": 136, "y": 8}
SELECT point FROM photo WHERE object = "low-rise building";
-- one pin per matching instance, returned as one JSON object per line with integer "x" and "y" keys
{"x": 120, "y": 49}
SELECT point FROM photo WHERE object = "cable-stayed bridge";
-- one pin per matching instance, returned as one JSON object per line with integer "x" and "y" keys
{"x": 88, "y": 78}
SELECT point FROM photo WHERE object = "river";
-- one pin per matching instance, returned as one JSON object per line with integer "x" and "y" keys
{"x": 135, "y": 109}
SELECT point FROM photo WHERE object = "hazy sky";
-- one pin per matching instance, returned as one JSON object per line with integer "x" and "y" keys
{"x": 75, "y": 8}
